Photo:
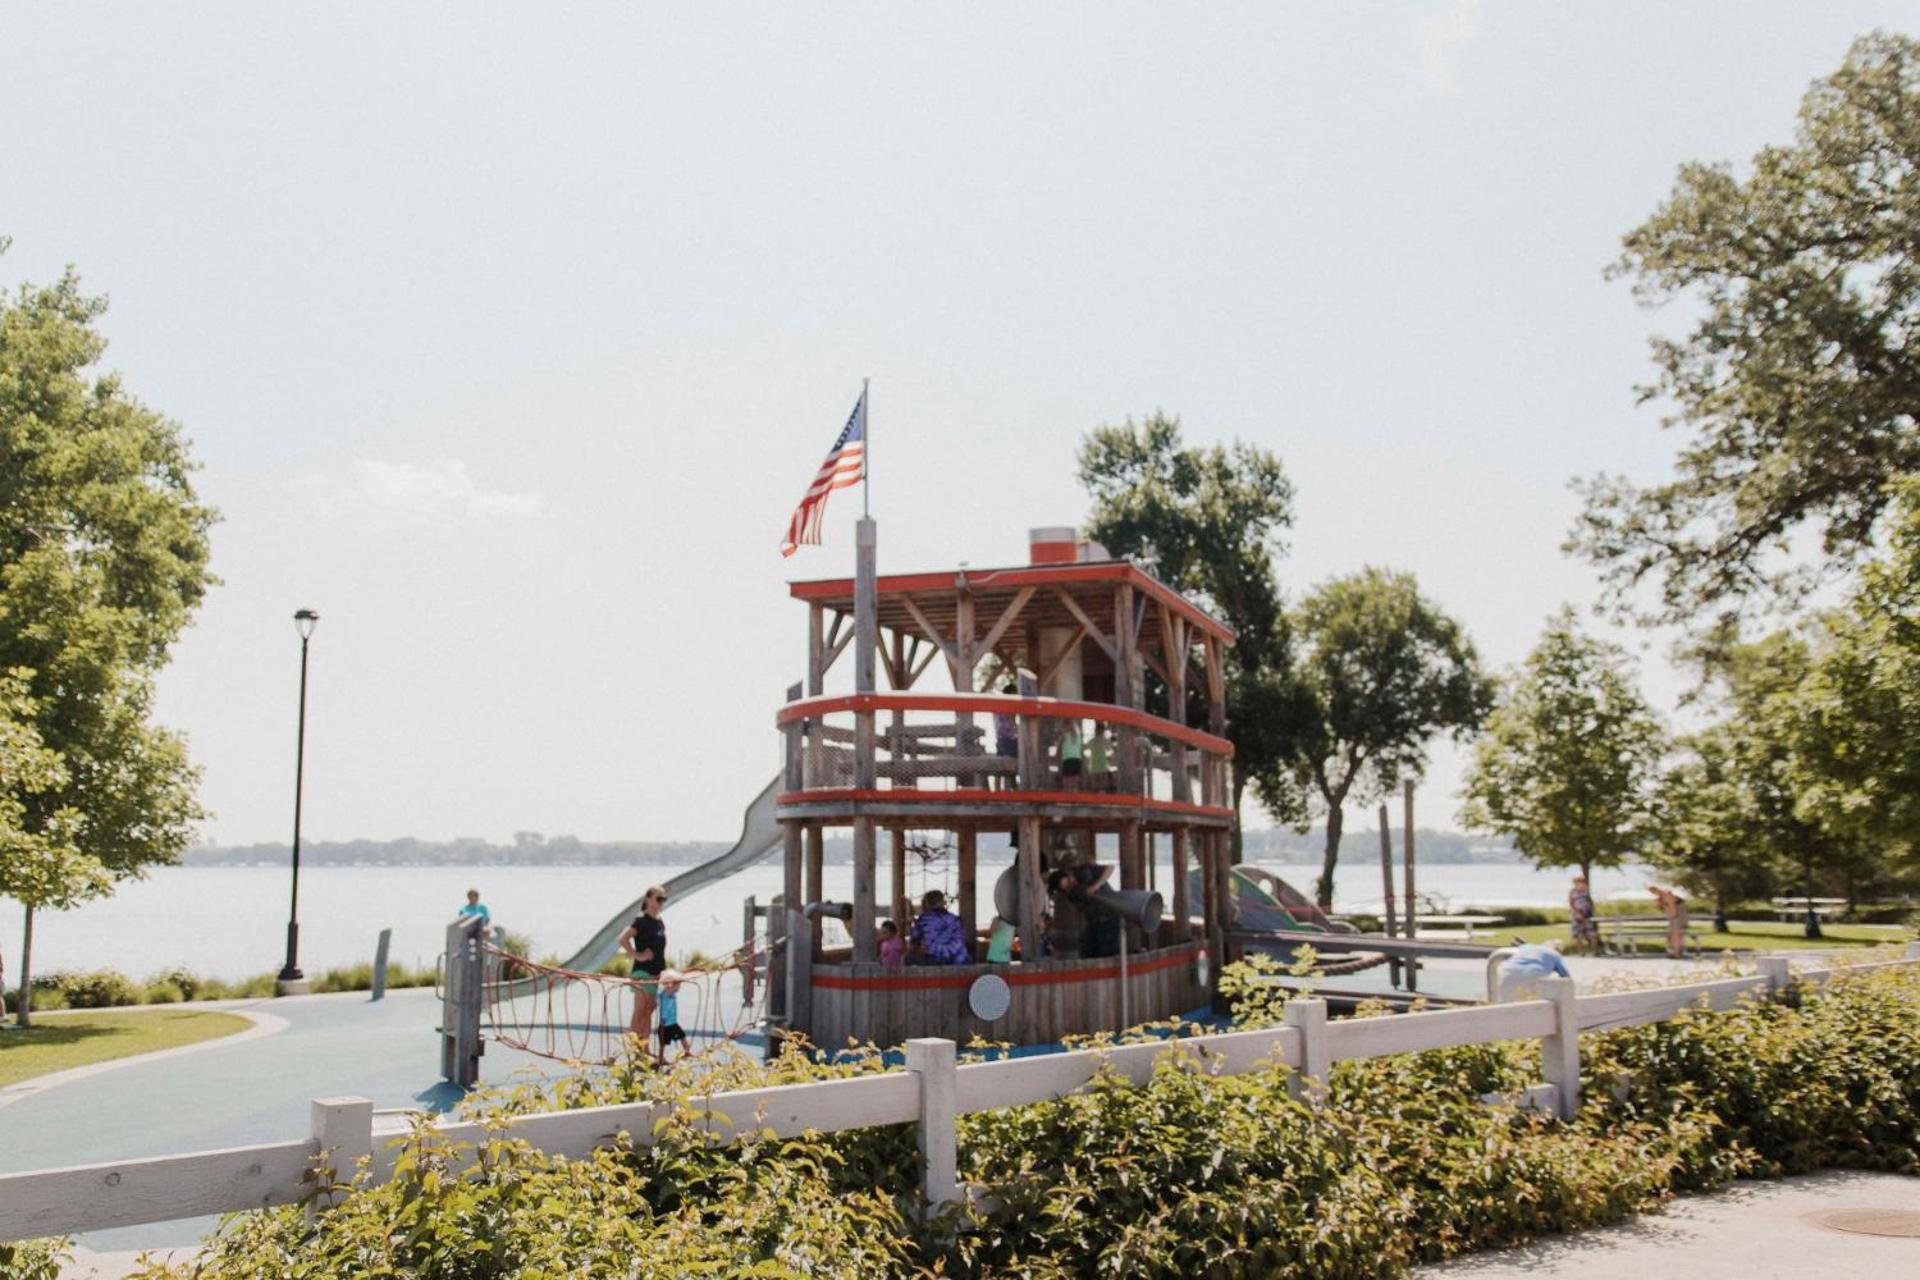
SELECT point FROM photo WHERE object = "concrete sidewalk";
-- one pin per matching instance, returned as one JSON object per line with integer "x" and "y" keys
{"x": 1751, "y": 1231}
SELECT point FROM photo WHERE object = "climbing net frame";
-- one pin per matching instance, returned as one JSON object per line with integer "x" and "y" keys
{"x": 566, "y": 1015}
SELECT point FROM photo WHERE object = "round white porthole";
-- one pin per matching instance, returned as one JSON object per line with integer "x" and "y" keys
{"x": 989, "y": 997}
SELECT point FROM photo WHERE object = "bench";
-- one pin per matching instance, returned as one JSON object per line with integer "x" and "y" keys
{"x": 1794, "y": 910}
{"x": 1462, "y": 927}
{"x": 1620, "y": 935}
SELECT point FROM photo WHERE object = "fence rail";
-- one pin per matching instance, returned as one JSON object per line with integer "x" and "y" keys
{"x": 931, "y": 1093}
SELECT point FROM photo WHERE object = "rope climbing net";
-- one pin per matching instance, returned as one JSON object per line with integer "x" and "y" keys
{"x": 570, "y": 1016}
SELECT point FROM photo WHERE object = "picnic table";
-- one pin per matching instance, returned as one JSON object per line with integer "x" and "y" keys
{"x": 1621, "y": 934}
{"x": 1453, "y": 926}
{"x": 1792, "y": 910}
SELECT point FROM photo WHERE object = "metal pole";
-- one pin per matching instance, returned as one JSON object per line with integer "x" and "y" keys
{"x": 291, "y": 973}
{"x": 866, "y": 446}
{"x": 1410, "y": 905}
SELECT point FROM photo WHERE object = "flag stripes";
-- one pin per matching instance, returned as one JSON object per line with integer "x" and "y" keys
{"x": 845, "y": 467}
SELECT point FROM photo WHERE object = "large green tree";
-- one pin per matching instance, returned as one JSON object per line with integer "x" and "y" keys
{"x": 1568, "y": 763}
{"x": 1207, "y": 521}
{"x": 103, "y": 558}
{"x": 1709, "y": 834}
{"x": 1381, "y": 672}
{"x": 1857, "y": 721}
{"x": 1797, "y": 386}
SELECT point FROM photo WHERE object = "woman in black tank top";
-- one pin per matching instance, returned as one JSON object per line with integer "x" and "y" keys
{"x": 645, "y": 943}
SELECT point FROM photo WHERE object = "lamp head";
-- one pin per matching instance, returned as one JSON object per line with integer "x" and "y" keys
{"x": 305, "y": 620}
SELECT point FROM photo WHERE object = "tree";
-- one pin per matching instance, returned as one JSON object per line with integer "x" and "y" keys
{"x": 1382, "y": 671}
{"x": 1798, "y": 384}
{"x": 1857, "y": 765}
{"x": 1568, "y": 763}
{"x": 1708, "y": 835}
{"x": 103, "y": 555}
{"x": 1205, "y": 521}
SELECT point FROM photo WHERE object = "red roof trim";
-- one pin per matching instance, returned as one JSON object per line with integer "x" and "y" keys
{"x": 1024, "y": 576}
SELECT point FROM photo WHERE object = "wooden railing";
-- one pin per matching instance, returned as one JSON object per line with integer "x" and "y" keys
{"x": 931, "y": 1093}
{"x": 935, "y": 742}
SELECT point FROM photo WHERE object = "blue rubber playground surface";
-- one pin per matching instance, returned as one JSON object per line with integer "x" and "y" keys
{"x": 256, "y": 1090}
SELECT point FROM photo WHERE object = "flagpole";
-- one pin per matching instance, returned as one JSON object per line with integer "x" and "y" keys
{"x": 866, "y": 449}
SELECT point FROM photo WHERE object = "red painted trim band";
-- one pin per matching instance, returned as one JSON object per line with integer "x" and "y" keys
{"x": 994, "y": 703}
{"x": 1014, "y": 975}
{"x": 1013, "y": 798}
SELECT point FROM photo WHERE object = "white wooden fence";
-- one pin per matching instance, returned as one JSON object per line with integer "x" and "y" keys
{"x": 931, "y": 1093}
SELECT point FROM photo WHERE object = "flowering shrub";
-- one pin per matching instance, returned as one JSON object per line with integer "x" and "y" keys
{"x": 1191, "y": 1174}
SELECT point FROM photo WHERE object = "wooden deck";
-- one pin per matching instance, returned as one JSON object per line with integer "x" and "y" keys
{"x": 1051, "y": 998}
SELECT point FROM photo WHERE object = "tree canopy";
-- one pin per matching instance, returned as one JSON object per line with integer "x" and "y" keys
{"x": 1207, "y": 522}
{"x": 103, "y": 558}
{"x": 1797, "y": 386}
{"x": 1568, "y": 763}
{"x": 1381, "y": 672}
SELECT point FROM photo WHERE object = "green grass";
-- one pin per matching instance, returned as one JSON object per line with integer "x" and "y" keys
{"x": 1742, "y": 935}
{"x": 57, "y": 1041}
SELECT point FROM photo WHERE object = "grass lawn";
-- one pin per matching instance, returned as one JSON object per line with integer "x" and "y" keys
{"x": 1742, "y": 935}
{"x": 57, "y": 1041}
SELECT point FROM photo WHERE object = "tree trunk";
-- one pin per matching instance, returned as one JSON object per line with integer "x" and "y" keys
{"x": 24, "y": 1017}
{"x": 1239, "y": 791}
{"x": 1323, "y": 890}
{"x": 1720, "y": 905}
{"x": 1586, "y": 873}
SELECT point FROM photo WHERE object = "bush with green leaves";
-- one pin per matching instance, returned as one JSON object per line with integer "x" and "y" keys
{"x": 1191, "y": 1173}
{"x": 34, "y": 1259}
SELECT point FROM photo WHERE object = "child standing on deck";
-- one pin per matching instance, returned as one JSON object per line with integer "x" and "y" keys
{"x": 893, "y": 947}
{"x": 1100, "y": 760}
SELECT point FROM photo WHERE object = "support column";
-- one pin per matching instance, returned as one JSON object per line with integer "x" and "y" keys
{"x": 1033, "y": 893}
{"x": 1129, "y": 689}
{"x": 816, "y": 881}
{"x": 898, "y": 848}
{"x": 1179, "y": 928}
{"x": 969, "y": 855}
{"x": 866, "y": 948}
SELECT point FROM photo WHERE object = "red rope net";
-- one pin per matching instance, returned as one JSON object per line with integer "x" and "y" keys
{"x": 570, "y": 1016}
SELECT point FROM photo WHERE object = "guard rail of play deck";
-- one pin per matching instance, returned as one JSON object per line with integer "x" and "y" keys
{"x": 931, "y": 1093}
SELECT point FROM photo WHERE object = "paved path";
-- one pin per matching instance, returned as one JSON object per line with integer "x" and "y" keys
{"x": 249, "y": 1090}
{"x": 1751, "y": 1231}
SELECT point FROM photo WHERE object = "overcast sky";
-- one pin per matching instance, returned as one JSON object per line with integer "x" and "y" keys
{"x": 509, "y": 335}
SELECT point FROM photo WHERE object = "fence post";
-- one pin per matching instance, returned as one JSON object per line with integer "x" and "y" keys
{"x": 1913, "y": 951}
{"x": 1777, "y": 971}
{"x": 1560, "y": 1051}
{"x": 933, "y": 1061}
{"x": 380, "y": 963}
{"x": 343, "y": 1131}
{"x": 1308, "y": 1016}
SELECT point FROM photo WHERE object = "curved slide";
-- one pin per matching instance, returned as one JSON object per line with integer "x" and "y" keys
{"x": 759, "y": 836}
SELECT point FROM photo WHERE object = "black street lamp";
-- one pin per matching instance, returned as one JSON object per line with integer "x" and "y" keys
{"x": 292, "y": 980}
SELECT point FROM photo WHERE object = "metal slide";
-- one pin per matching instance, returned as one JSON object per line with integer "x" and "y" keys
{"x": 759, "y": 836}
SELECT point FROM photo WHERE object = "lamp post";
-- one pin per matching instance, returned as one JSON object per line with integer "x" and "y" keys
{"x": 292, "y": 982}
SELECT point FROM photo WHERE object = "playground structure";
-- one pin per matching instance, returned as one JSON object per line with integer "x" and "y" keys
{"x": 1074, "y": 635}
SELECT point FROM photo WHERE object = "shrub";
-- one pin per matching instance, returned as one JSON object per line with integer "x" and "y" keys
{"x": 100, "y": 989}
{"x": 190, "y": 984}
{"x": 163, "y": 993}
{"x": 35, "y": 1259}
{"x": 1188, "y": 1174}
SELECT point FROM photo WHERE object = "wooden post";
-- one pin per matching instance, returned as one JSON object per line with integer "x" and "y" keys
{"x": 969, "y": 855}
{"x": 342, "y": 1131}
{"x": 899, "y": 852}
{"x": 1388, "y": 923}
{"x": 460, "y": 1006}
{"x": 1182, "y": 922}
{"x": 816, "y": 882}
{"x": 933, "y": 1061}
{"x": 1033, "y": 894}
{"x": 1173, "y": 630}
{"x": 1308, "y": 1016}
{"x": 866, "y": 948}
{"x": 1410, "y": 903}
{"x": 1223, "y": 897}
{"x": 793, "y": 883}
{"x": 380, "y": 949}
{"x": 799, "y": 973}
{"x": 1132, "y": 865}
{"x": 1129, "y": 689}
{"x": 1560, "y": 1051}
{"x": 1778, "y": 972}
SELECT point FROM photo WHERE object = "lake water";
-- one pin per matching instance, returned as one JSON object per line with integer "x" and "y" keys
{"x": 230, "y": 922}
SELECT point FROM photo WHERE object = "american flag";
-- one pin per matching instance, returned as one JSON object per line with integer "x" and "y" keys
{"x": 845, "y": 466}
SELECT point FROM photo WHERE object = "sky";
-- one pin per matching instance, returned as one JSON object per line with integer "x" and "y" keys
{"x": 508, "y": 335}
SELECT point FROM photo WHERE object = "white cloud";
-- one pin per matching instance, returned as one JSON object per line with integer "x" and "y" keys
{"x": 438, "y": 494}
{"x": 1442, "y": 36}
